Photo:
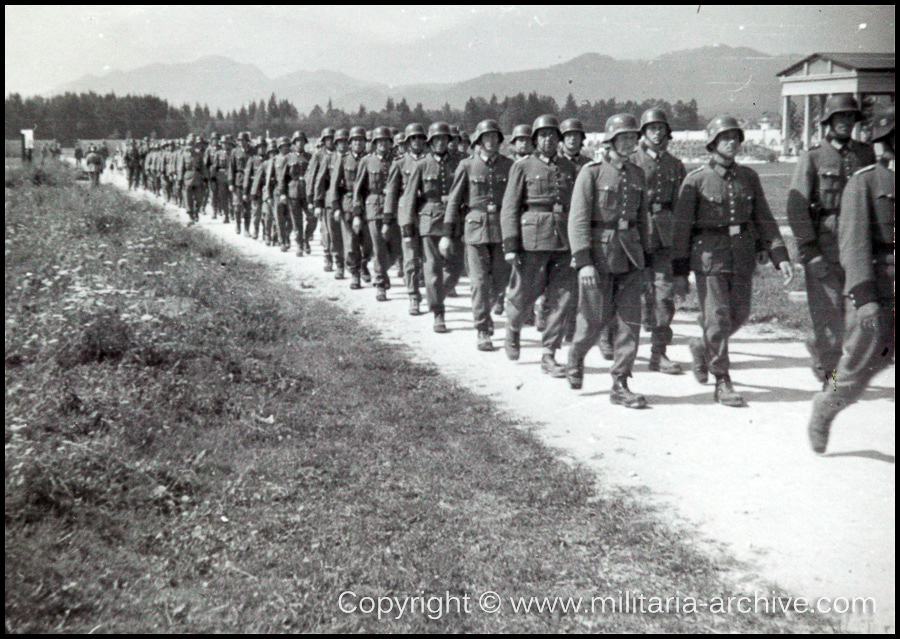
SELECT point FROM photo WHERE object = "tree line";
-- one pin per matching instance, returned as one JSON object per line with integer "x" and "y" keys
{"x": 71, "y": 116}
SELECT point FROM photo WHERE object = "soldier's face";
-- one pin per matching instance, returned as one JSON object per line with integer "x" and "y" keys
{"x": 329, "y": 143}
{"x": 656, "y": 134}
{"x": 842, "y": 124}
{"x": 284, "y": 148}
{"x": 490, "y": 142}
{"x": 358, "y": 145}
{"x": 624, "y": 143}
{"x": 547, "y": 141}
{"x": 341, "y": 146}
{"x": 573, "y": 141}
{"x": 439, "y": 143}
{"x": 416, "y": 143}
{"x": 383, "y": 145}
{"x": 728, "y": 144}
{"x": 523, "y": 145}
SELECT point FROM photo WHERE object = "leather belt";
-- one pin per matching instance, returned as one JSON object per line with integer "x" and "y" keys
{"x": 732, "y": 229}
{"x": 621, "y": 225}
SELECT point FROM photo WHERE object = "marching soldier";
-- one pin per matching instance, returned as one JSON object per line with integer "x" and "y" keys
{"x": 264, "y": 189}
{"x": 813, "y": 205}
{"x": 94, "y": 162}
{"x": 473, "y": 212}
{"x": 398, "y": 178}
{"x": 79, "y": 154}
{"x": 663, "y": 174}
{"x": 220, "y": 169}
{"x": 521, "y": 142}
{"x": 422, "y": 214}
{"x": 279, "y": 174}
{"x": 212, "y": 191}
{"x": 721, "y": 213}
{"x": 191, "y": 174}
{"x": 533, "y": 225}
{"x": 349, "y": 152}
{"x": 253, "y": 168}
{"x": 237, "y": 163}
{"x": 866, "y": 249}
{"x": 573, "y": 136}
{"x": 133, "y": 165}
{"x": 368, "y": 208}
{"x": 319, "y": 173}
{"x": 608, "y": 233}
{"x": 298, "y": 164}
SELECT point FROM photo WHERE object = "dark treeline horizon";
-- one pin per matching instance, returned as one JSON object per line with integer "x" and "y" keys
{"x": 89, "y": 115}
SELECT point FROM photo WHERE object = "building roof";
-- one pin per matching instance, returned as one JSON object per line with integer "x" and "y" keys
{"x": 855, "y": 61}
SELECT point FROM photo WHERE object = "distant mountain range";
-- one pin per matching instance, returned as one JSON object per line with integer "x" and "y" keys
{"x": 722, "y": 79}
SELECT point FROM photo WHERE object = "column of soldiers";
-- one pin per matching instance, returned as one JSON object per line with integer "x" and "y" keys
{"x": 590, "y": 241}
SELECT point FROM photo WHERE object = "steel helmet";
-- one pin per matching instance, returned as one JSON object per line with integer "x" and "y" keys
{"x": 721, "y": 124}
{"x": 412, "y": 130}
{"x": 213, "y": 136}
{"x": 327, "y": 132}
{"x": 841, "y": 103}
{"x": 244, "y": 136}
{"x": 358, "y": 132}
{"x": 260, "y": 141}
{"x": 620, "y": 123}
{"x": 381, "y": 133}
{"x": 438, "y": 128}
{"x": 399, "y": 139}
{"x": 882, "y": 123}
{"x": 655, "y": 115}
{"x": 572, "y": 124}
{"x": 341, "y": 134}
{"x": 271, "y": 146}
{"x": 283, "y": 141}
{"x": 394, "y": 131}
{"x": 368, "y": 136}
{"x": 486, "y": 126}
{"x": 299, "y": 135}
{"x": 520, "y": 131}
{"x": 545, "y": 122}
{"x": 454, "y": 131}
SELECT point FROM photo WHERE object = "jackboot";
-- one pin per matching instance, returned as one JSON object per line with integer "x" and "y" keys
{"x": 700, "y": 367}
{"x": 826, "y": 406}
{"x": 725, "y": 393}
{"x": 512, "y": 344}
{"x": 621, "y": 394}
{"x": 659, "y": 363}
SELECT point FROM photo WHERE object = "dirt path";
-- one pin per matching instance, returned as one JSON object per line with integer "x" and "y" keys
{"x": 745, "y": 478}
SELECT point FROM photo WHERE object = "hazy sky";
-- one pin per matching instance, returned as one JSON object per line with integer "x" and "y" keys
{"x": 50, "y": 45}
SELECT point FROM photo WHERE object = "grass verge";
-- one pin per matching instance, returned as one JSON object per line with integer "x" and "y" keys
{"x": 193, "y": 448}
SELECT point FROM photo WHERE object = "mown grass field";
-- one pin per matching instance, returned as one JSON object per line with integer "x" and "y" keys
{"x": 193, "y": 448}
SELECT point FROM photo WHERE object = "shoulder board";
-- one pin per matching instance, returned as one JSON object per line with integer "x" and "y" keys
{"x": 697, "y": 170}
{"x": 594, "y": 163}
{"x": 871, "y": 167}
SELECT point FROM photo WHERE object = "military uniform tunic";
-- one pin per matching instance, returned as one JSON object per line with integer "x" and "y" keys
{"x": 812, "y": 207}
{"x": 237, "y": 162}
{"x": 398, "y": 178}
{"x": 368, "y": 204}
{"x": 339, "y": 199}
{"x": 533, "y": 222}
{"x": 318, "y": 182}
{"x": 720, "y": 215}
{"x": 191, "y": 175}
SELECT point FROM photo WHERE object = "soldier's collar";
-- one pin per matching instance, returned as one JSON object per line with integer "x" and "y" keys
{"x": 716, "y": 164}
{"x": 649, "y": 151}
{"x": 442, "y": 157}
{"x": 546, "y": 159}
{"x": 488, "y": 159}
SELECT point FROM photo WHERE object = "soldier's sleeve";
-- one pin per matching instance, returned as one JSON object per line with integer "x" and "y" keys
{"x": 580, "y": 213}
{"x": 392, "y": 191}
{"x": 855, "y": 243}
{"x": 766, "y": 227}
{"x": 230, "y": 169}
{"x": 459, "y": 193}
{"x": 180, "y": 167}
{"x": 361, "y": 188}
{"x": 511, "y": 210}
{"x": 684, "y": 215}
{"x": 409, "y": 203}
{"x": 644, "y": 223}
{"x": 798, "y": 214}
{"x": 321, "y": 183}
{"x": 258, "y": 180}
{"x": 311, "y": 171}
{"x": 335, "y": 184}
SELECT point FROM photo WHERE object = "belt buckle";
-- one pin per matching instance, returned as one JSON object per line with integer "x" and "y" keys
{"x": 623, "y": 225}
{"x": 444, "y": 199}
{"x": 557, "y": 208}
{"x": 657, "y": 207}
{"x": 734, "y": 229}
{"x": 491, "y": 208}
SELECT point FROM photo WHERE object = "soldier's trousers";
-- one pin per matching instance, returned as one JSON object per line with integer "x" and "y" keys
{"x": 132, "y": 177}
{"x": 311, "y": 224}
{"x": 825, "y": 296}
{"x": 616, "y": 302}
{"x": 434, "y": 264}
{"x": 489, "y": 275}
{"x": 167, "y": 187}
{"x": 214, "y": 196}
{"x": 193, "y": 197}
{"x": 256, "y": 216}
{"x": 283, "y": 223}
{"x": 659, "y": 300}
{"x": 332, "y": 239}
{"x": 270, "y": 232}
{"x": 241, "y": 212}
{"x": 224, "y": 198}
{"x": 384, "y": 251}
{"x": 537, "y": 272}
{"x": 412, "y": 265}
{"x": 296, "y": 207}
{"x": 455, "y": 265}
{"x": 95, "y": 178}
{"x": 353, "y": 245}
{"x": 724, "y": 307}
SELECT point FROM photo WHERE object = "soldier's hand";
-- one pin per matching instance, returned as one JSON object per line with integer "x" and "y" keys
{"x": 511, "y": 258}
{"x": 385, "y": 231}
{"x": 870, "y": 317}
{"x": 587, "y": 276}
{"x": 407, "y": 244}
{"x": 787, "y": 270}
{"x": 245, "y": 198}
{"x": 445, "y": 247}
{"x": 357, "y": 225}
{"x": 282, "y": 199}
{"x": 318, "y": 211}
{"x": 310, "y": 207}
{"x": 231, "y": 188}
{"x": 336, "y": 215}
{"x": 681, "y": 286}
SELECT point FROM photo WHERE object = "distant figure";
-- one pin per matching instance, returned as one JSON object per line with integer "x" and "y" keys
{"x": 79, "y": 154}
{"x": 95, "y": 165}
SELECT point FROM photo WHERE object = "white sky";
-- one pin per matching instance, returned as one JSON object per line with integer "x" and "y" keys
{"x": 50, "y": 45}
